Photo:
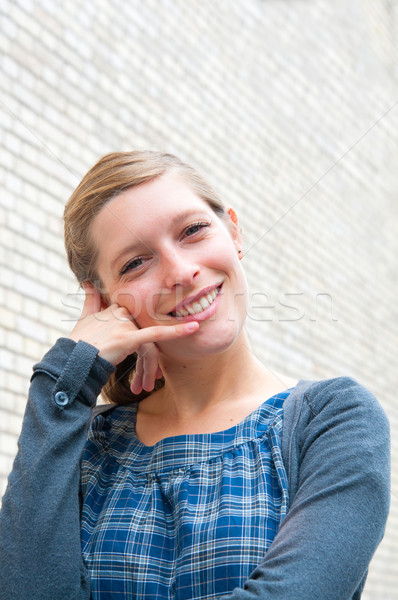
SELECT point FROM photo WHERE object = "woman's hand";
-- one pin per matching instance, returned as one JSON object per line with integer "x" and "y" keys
{"x": 113, "y": 331}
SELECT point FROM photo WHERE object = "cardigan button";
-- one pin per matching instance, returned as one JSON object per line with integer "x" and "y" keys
{"x": 61, "y": 398}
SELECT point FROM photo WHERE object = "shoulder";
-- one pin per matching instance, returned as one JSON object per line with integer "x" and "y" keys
{"x": 336, "y": 394}
{"x": 102, "y": 409}
{"x": 114, "y": 418}
{"x": 109, "y": 435}
{"x": 336, "y": 425}
{"x": 112, "y": 424}
{"x": 340, "y": 405}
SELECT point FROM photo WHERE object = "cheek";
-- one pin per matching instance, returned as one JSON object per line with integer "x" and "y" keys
{"x": 142, "y": 301}
{"x": 239, "y": 294}
{"x": 135, "y": 299}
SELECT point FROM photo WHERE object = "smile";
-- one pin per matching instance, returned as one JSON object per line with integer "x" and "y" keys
{"x": 199, "y": 305}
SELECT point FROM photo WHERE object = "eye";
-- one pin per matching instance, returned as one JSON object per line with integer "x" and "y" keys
{"x": 195, "y": 227}
{"x": 131, "y": 265}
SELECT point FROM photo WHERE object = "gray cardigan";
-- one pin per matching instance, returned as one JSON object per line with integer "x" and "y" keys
{"x": 335, "y": 447}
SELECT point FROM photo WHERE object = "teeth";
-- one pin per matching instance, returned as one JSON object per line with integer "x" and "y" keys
{"x": 198, "y": 306}
{"x": 204, "y": 302}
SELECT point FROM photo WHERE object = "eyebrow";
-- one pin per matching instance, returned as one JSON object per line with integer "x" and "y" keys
{"x": 184, "y": 215}
{"x": 175, "y": 220}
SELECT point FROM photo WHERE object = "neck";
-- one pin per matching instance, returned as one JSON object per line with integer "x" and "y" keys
{"x": 193, "y": 388}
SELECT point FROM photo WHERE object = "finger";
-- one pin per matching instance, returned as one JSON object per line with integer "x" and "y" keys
{"x": 92, "y": 301}
{"x": 160, "y": 333}
{"x": 120, "y": 313}
{"x": 150, "y": 360}
{"x": 136, "y": 383}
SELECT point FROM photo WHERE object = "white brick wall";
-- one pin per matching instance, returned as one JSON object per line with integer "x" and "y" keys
{"x": 291, "y": 110}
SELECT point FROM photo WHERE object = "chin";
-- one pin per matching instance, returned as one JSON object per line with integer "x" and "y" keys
{"x": 202, "y": 343}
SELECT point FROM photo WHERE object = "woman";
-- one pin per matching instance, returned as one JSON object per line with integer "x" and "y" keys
{"x": 209, "y": 476}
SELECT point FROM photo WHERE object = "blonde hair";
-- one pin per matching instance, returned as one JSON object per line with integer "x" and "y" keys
{"x": 112, "y": 174}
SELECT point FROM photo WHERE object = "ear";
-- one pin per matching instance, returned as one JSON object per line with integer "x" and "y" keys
{"x": 235, "y": 230}
{"x": 105, "y": 301}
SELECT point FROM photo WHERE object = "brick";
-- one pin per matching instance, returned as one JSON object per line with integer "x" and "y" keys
{"x": 7, "y": 399}
{"x": 15, "y": 383}
{"x": 30, "y": 329}
{"x": 23, "y": 365}
{"x": 12, "y": 143}
{"x": 8, "y": 444}
{"x": 13, "y": 299}
{"x": 15, "y": 342}
{"x": 33, "y": 349}
{"x": 5, "y": 463}
{"x": 7, "y": 359}
{"x": 7, "y": 318}
{"x": 13, "y": 183}
{"x": 10, "y": 68}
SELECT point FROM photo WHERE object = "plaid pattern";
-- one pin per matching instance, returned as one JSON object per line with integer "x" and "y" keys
{"x": 189, "y": 518}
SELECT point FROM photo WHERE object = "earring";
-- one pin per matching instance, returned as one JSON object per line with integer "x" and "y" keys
{"x": 233, "y": 216}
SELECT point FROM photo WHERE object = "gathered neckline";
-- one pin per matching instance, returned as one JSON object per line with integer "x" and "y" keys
{"x": 183, "y": 450}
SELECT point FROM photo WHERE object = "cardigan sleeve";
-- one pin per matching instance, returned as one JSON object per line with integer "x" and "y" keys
{"x": 336, "y": 447}
{"x": 40, "y": 551}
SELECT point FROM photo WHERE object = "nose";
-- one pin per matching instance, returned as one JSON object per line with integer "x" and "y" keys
{"x": 180, "y": 269}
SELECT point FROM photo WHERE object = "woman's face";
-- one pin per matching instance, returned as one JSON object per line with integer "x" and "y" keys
{"x": 164, "y": 254}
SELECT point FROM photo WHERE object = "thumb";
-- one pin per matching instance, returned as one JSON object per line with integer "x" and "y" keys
{"x": 92, "y": 301}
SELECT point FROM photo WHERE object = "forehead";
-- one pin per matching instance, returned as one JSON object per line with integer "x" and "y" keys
{"x": 163, "y": 198}
{"x": 139, "y": 214}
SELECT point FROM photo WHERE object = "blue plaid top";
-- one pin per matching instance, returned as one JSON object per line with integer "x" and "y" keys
{"x": 188, "y": 518}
